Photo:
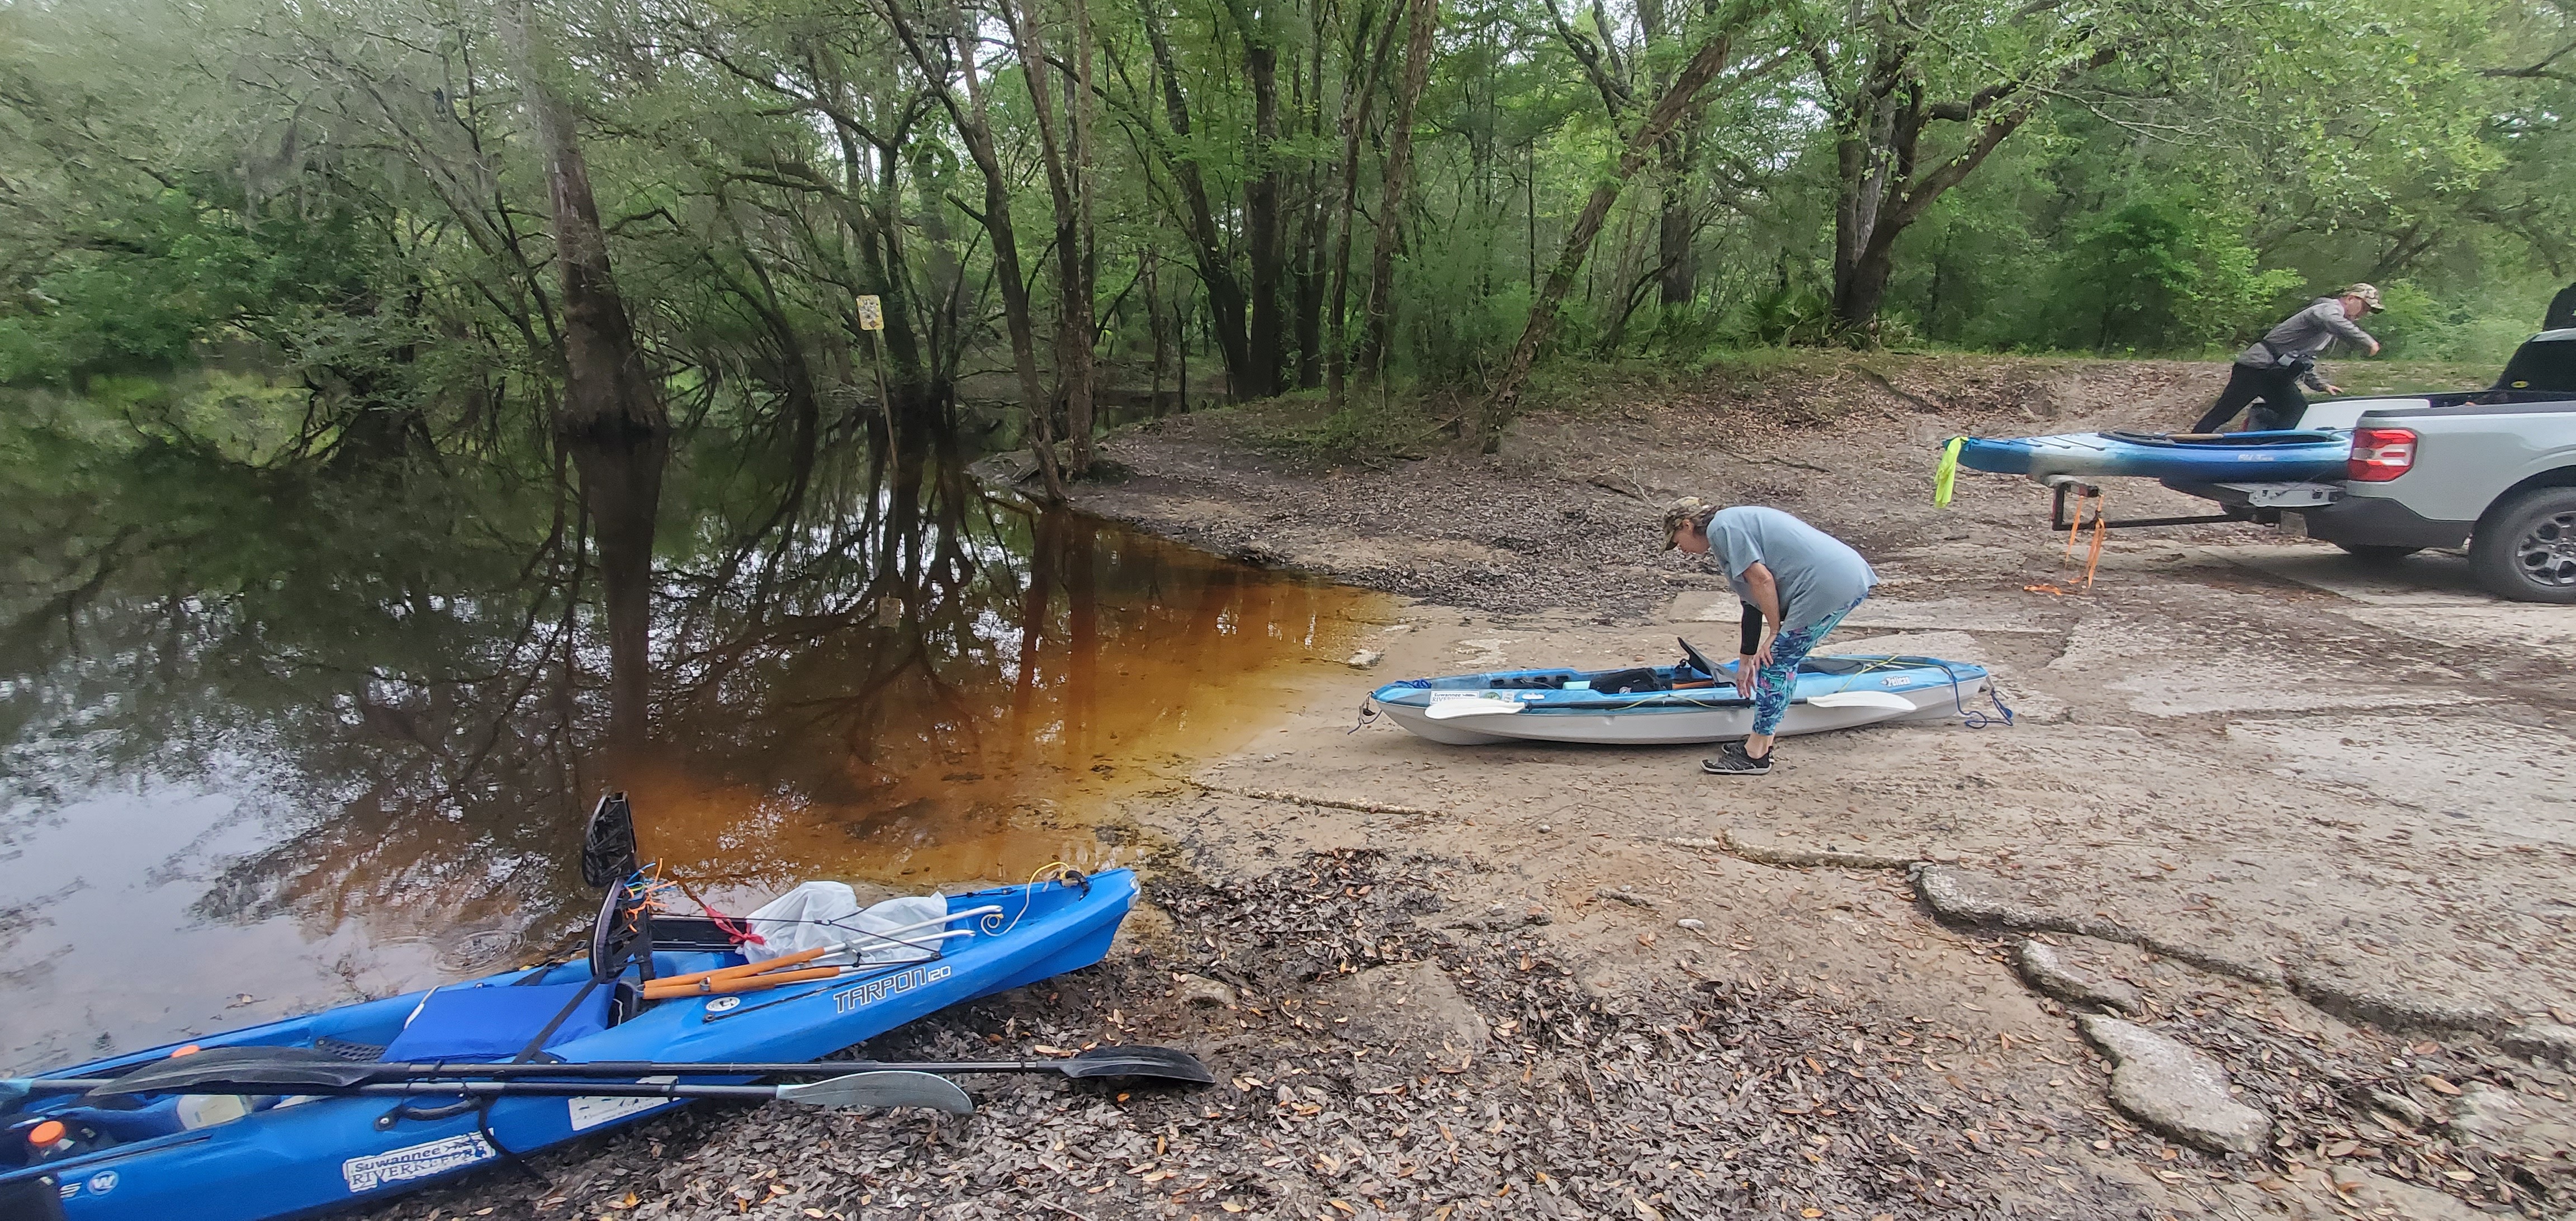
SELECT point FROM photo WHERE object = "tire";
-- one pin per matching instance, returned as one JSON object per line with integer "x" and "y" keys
{"x": 2525, "y": 547}
{"x": 2378, "y": 553}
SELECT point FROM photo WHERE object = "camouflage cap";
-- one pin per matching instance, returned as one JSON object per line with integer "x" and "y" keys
{"x": 1688, "y": 510}
{"x": 2369, "y": 295}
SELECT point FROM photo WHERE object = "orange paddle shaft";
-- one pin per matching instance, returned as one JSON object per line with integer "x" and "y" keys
{"x": 657, "y": 991}
{"x": 748, "y": 968}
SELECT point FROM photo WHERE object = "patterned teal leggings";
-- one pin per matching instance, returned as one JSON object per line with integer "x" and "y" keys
{"x": 1775, "y": 684}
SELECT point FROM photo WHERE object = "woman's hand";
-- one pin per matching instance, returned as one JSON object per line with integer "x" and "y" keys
{"x": 1744, "y": 674}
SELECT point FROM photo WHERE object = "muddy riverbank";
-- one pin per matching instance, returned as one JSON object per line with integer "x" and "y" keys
{"x": 2310, "y": 823}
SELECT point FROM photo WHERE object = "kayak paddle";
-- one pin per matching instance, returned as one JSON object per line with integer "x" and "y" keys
{"x": 285, "y": 1069}
{"x": 874, "y": 1088}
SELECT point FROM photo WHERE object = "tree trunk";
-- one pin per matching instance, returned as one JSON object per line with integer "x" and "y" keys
{"x": 1399, "y": 165}
{"x": 1154, "y": 327}
{"x": 1881, "y": 190}
{"x": 1306, "y": 280}
{"x": 1679, "y": 268}
{"x": 1355, "y": 116}
{"x": 607, "y": 391}
{"x": 1315, "y": 189}
{"x": 976, "y": 131}
{"x": 1676, "y": 273}
{"x": 1261, "y": 213}
{"x": 1065, "y": 159}
{"x": 1660, "y": 122}
{"x": 1085, "y": 194}
{"x": 1861, "y": 288}
{"x": 1207, "y": 245}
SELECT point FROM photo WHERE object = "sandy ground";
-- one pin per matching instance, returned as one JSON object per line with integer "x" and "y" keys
{"x": 2321, "y": 816}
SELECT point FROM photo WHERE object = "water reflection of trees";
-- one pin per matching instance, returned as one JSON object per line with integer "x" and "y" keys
{"x": 413, "y": 677}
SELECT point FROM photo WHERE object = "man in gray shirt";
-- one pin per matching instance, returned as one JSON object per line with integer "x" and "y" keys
{"x": 1796, "y": 583}
{"x": 2272, "y": 369}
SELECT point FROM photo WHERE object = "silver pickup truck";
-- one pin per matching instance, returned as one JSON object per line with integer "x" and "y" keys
{"x": 2495, "y": 468}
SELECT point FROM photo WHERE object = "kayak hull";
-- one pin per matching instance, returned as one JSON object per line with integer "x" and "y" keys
{"x": 2244, "y": 457}
{"x": 306, "y": 1158}
{"x": 1926, "y": 688}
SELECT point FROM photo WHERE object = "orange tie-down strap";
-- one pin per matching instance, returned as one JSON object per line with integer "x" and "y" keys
{"x": 2092, "y": 555}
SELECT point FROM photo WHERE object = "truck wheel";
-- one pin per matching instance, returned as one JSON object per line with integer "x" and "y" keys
{"x": 2525, "y": 548}
{"x": 2377, "y": 553}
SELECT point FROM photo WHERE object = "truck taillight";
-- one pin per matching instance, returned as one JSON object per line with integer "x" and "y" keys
{"x": 2380, "y": 454}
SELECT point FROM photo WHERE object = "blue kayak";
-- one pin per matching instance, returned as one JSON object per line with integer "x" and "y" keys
{"x": 302, "y": 1156}
{"x": 2236, "y": 457}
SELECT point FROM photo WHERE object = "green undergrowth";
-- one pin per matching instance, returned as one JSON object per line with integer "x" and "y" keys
{"x": 1415, "y": 419}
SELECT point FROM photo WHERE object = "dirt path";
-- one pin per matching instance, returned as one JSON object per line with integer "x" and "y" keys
{"x": 2319, "y": 819}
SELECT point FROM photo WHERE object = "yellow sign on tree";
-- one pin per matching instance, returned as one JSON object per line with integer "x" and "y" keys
{"x": 871, "y": 313}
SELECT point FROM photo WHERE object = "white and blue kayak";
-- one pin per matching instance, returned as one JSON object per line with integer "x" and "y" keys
{"x": 2235, "y": 457}
{"x": 1692, "y": 701}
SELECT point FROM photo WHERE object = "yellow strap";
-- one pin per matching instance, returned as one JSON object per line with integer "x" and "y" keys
{"x": 1946, "y": 476}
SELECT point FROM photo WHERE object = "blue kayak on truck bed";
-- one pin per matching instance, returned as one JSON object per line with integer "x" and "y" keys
{"x": 298, "y": 1157}
{"x": 2236, "y": 457}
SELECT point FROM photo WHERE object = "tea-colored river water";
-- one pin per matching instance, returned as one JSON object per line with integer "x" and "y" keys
{"x": 274, "y": 740}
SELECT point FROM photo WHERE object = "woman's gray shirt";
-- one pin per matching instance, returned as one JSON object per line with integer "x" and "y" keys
{"x": 1817, "y": 573}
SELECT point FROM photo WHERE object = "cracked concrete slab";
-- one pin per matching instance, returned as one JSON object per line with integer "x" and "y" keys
{"x": 2167, "y": 670}
{"x": 1957, "y": 615}
{"x": 2488, "y": 777}
{"x": 2174, "y": 1089}
{"x": 2533, "y": 1125}
{"x": 2427, "y": 578}
{"x": 1762, "y": 847}
{"x": 2041, "y": 965}
{"x": 2429, "y": 595}
{"x": 2545, "y": 1041}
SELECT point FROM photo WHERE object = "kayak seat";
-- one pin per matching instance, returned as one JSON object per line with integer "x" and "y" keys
{"x": 1630, "y": 682}
{"x": 498, "y": 1023}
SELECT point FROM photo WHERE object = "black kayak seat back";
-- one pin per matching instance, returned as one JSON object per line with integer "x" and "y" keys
{"x": 1630, "y": 682}
{"x": 499, "y": 1023}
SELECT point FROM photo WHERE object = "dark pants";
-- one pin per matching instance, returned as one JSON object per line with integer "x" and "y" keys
{"x": 2277, "y": 389}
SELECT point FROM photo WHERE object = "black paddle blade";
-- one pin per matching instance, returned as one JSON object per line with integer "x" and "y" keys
{"x": 265, "y": 1070}
{"x": 608, "y": 843}
{"x": 1161, "y": 1063}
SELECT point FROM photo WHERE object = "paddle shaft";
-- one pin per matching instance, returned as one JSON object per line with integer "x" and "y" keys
{"x": 501, "y": 1089}
{"x": 748, "y": 968}
{"x": 433, "y": 1076}
{"x": 645, "y": 1068}
{"x": 659, "y": 990}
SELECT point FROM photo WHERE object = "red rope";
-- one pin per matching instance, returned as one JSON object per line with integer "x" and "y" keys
{"x": 739, "y": 932}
